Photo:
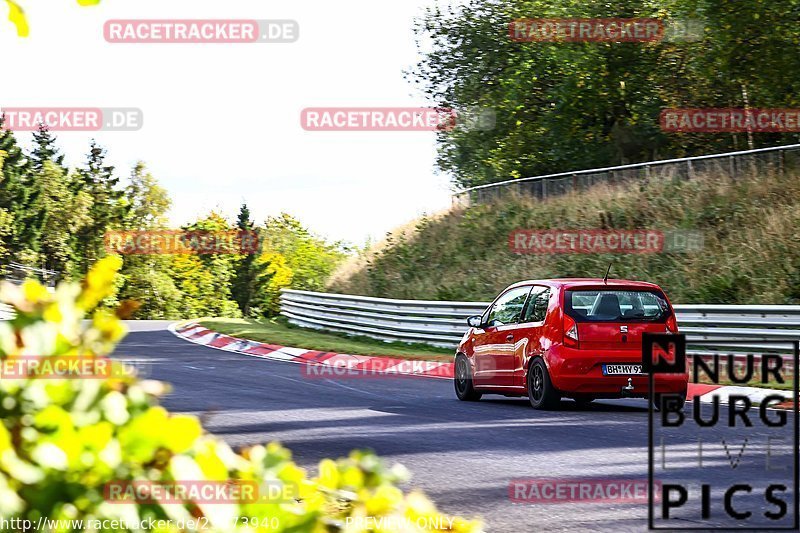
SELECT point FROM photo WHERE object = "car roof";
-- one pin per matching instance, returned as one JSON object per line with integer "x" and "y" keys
{"x": 569, "y": 283}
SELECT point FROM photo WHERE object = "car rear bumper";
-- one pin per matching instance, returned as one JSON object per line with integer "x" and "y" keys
{"x": 580, "y": 372}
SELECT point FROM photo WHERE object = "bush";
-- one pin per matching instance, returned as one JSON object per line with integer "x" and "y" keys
{"x": 63, "y": 440}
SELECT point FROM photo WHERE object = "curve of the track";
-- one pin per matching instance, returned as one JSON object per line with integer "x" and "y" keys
{"x": 461, "y": 454}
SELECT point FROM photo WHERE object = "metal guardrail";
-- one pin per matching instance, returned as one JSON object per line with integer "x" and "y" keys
{"x": 17, "y": 273}
{"x": 444, "y": 323}
{"x": 734, "y": 164}
{"x": 437, "y": 323}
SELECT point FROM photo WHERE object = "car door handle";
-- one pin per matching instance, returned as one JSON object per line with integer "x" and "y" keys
{"x": 509, "y": 337}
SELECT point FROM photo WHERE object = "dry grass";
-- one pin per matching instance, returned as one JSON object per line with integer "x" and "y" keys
{"x": 751, "y": 252}
{"x": 359, "y": 262}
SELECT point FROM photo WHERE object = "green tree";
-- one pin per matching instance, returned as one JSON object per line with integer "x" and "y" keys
{"x": 292, "y": 257}
{"x": 145, "y": 202}
{"x": 98, "y": 181}
{"x": 47, "y": 204}
{"x": 45, "y": 149}
{"x": 244, "y": 279}
{"x": 6, "y": 227}
{"x": 63, "y": 441}
{"x": 563, "y": 106}
{"x": 205, "y": 279}
{"x": 62, "y": 213}
{"x": 147, "y": 279}
{"x": 273, "y": 275}
{"x": 13, "y": 167}
{"x": 15, "y": 194}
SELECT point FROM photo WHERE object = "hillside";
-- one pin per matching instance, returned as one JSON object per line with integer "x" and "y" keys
{"x": 751, "y": 251}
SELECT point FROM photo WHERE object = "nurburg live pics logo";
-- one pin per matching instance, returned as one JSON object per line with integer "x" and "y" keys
{"x": 739, "y": 478}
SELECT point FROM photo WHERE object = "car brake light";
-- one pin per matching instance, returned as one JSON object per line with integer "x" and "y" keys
{"x": 570, "y": 332}
{"x": 672, "y": 324}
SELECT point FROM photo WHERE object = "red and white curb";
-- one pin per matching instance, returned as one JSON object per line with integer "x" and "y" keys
{"x": 325, "y": 364}
{"x": 336, "y": 363}
{"x": 723, "y": 392}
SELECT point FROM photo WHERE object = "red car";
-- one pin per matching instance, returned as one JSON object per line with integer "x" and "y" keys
{"x": 575, "y": 338}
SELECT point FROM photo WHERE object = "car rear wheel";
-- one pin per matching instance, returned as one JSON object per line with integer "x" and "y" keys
{"x": 463, "y": 381}
{"x": 541, "y": 392}
{"x": 677, "y": 400}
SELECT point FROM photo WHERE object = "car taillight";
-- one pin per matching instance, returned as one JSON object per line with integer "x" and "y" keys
{"x": 672, "y": 324}
{"x": 570, "y": 332}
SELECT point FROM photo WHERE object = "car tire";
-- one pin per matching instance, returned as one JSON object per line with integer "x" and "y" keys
{"x": 674, "y": 397}
{"x": 541, "y": 392}
{"x": 462, "y": 380}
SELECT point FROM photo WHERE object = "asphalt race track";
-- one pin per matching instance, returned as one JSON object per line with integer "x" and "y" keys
{"x": 463, "y": 455}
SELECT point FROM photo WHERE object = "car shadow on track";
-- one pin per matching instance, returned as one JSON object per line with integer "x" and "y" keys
{"x": 600, "y": 406}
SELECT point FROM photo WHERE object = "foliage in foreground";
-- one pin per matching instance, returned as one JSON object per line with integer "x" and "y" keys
{"x": 16, "y": 15}
{"x": 62, "y": 440}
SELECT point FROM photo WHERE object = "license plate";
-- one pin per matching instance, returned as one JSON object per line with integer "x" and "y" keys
{"x": 615, "y": 370}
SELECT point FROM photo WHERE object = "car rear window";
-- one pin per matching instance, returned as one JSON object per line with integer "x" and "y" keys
{"x": 616, "y": 305}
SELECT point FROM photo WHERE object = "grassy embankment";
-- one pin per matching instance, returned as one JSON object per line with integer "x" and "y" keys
{"x": 751, "y": 251}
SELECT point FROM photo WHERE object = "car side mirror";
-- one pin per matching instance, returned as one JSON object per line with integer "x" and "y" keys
{"x": 475, "y": 321}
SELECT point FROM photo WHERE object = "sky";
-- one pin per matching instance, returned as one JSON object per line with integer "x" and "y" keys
{"x": 222, "y": 121}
